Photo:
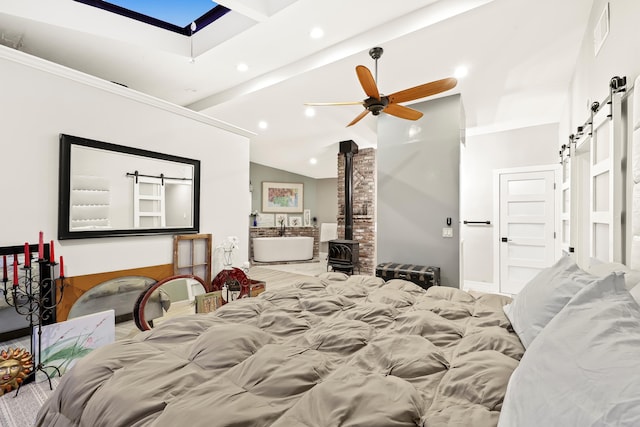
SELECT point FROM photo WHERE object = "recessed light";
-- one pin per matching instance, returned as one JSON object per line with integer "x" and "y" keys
{"x": 313, "y": 160}
{"x": 262, "y": 124}
{"x": 242, "y": 67}
{"x": 309, "y": 112}
{"x": 460, "y": 72}
{"x": 316, "y": 33}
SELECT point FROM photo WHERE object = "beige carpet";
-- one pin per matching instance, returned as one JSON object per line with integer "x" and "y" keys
{"x": 20, "y": 410}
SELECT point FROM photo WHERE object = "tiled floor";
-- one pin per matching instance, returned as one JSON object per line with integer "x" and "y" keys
{"x": 307, "y": 269}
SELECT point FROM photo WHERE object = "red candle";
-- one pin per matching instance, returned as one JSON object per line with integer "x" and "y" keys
{"x": 27, "y": 255}
{"x": 4, "y": 268}
{"x": 52, "y": 255}
{"x": 61, "y": 266}
{"x": 15, "y": 271}
{"x": 41, "y": 246}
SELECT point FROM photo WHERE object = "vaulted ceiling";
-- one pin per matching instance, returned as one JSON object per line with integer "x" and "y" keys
{"x": 520, "y": 56}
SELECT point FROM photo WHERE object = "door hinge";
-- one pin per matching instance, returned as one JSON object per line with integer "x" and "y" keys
{"x": 554, "y": 185}
{"x": 554, "y": 234}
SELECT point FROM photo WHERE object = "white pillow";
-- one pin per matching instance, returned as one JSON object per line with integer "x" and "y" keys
{"x": 544, "y": 296}
{"x": 599, "y": 268}
{"x": 583, "y": 369}
{"x": 635, "y": 293}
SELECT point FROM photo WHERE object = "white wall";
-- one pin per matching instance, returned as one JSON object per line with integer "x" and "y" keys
{"x": 617, "y": 57}
{"x": 418, "y": 170}
{"x": 481, "y": 155}
{"x": 40, "y": 100}
{"x": 590, "y": 83}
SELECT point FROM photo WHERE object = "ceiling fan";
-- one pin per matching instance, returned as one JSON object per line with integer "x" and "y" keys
{"x": 377, "y": 103}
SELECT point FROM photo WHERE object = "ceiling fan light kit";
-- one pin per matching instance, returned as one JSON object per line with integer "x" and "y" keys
{"x": 377, "y": 103}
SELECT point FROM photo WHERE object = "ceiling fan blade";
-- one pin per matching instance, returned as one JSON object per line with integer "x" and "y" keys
{"x": 358, "y": 118}
{"x": 323, "y": 104}
{"x": 402, "y": 112}
{"x": 367, "y": 82}
{"x": 424, "y": 90}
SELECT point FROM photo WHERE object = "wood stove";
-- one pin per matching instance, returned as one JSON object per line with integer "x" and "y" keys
{"x": 344, "y": 255}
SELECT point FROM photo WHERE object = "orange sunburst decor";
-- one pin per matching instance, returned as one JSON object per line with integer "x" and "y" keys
{"x": 15, "y": 366}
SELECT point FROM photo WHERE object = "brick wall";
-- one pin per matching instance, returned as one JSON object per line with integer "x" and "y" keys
{"x": 364, "y": 207}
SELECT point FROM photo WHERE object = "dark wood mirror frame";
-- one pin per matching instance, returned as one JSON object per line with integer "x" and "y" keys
{"x": 64, "y": 191}
{"x": 141, "y": 302}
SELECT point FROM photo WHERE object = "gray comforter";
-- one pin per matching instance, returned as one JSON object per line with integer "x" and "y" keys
{"x": 329, "y": 351}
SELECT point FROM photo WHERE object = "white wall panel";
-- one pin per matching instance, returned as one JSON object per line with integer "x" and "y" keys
{"x": 38, "y": 104}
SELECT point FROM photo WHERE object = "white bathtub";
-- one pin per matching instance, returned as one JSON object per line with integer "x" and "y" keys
{"x": 270, "y": 249}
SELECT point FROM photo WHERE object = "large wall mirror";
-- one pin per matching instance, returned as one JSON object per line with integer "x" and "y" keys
{"x": 108, "y": 190}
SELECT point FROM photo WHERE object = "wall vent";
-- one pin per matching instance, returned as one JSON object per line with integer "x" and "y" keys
{"x": 601, "y": 30}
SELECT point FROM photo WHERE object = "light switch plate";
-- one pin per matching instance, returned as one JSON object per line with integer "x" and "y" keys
{"x": 447, "y": 232}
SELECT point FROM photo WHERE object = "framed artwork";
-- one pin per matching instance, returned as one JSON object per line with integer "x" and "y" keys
{"x": 206, "y": 303}
{"x": 281, "y": 219}
{"x": 265, "y": 220}
{"x": 64, "y": 343}
{"x": 295, "y": 221}
{"x": 307, "y": 218}
{"x": 282, "y": 197}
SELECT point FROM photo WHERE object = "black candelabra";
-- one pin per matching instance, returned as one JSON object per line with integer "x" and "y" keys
{"x": 35, "y": 297}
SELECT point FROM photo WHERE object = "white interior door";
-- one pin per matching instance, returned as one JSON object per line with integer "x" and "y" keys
{"x": 527, "y": 226}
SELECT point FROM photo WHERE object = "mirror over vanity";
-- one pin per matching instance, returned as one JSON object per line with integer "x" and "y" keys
{"x": 108, "y": 190}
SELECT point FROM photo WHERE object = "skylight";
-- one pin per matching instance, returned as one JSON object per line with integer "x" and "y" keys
{"x": 172, "y": 15}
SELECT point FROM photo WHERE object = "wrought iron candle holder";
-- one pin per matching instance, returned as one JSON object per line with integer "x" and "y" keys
{"x": 36, "y": 298}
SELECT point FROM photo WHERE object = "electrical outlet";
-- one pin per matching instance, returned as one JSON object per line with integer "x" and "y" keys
{"x": 447, "y": 232}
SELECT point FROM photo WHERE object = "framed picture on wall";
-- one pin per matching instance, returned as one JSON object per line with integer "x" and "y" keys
{"x": 281, "y": 219}
{"x": 265, "y": 220}
{"x": 307, "y": 218}
{"x": 284, "y": 197}
{"x": 295, "y": 221}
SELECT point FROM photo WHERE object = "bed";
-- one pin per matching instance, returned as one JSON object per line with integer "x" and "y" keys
{"x": 338, "y": 350}
{"x": 332, "y": 350}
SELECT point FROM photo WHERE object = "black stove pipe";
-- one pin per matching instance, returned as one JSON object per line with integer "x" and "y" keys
{"x": 348, "y": 148}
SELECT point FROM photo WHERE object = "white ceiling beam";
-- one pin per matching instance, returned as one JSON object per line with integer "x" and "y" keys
{"x": 258, "y": 10}
{"x": 398, "y": 27}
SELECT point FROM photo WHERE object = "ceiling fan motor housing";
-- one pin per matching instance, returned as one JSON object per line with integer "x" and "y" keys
{"x": 376, "y": 105}
{"x": 375, "y": 52}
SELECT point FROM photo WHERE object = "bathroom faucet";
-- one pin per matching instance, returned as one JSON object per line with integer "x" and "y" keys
{"x": 281, "y": 228}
